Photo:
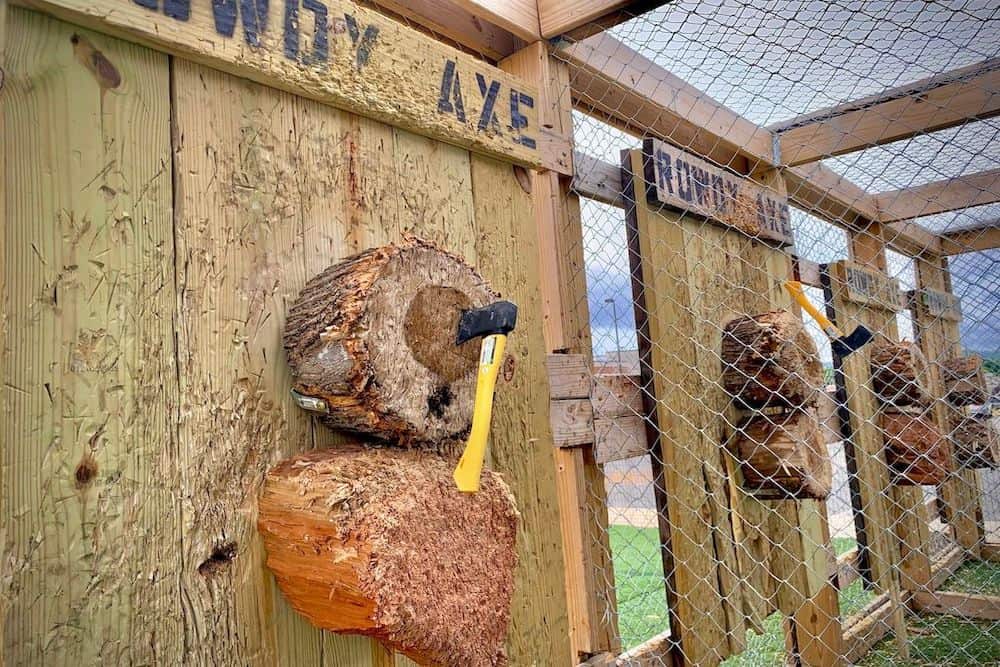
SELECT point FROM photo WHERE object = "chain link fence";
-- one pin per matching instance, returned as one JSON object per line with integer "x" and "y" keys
{"x": 750, "y": 466}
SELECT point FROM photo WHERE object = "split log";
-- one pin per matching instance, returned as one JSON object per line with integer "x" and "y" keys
{"x": 785, "y": 453}
{"x": 380, "y": 542}
{"x": 964, "y": 381}
{"x": 976, "y": 443}
{"x": 373, "y": 338}
{"x": 770, "y": 360}
{"x": 899, "y": 373}
{"x": 915, "y": 450}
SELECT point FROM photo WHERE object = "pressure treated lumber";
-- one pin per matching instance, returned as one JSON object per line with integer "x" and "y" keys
{"x": 898, "y": 372}
{"x": 770, "y": 359}
{"x": 963, "y": 605}
{"x": 964, "y": 381}
{"x": 915, "y": 450}
{"x": 975, "y": 443}
{"x": 373, "y": 337}
{"x": 380, "y": 542}
{"x": 361, "y": 58}
{"x": 784, "y": 453}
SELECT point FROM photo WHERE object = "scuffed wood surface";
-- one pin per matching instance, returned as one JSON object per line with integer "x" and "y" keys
{"x": 90, "y": 501}
{"x": 784, "y": 453}
{"x": 915, "y": 450}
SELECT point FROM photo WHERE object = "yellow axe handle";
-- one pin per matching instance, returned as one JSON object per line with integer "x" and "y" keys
{"x": 470, "y": 466}
{"x": 794, "y": 288}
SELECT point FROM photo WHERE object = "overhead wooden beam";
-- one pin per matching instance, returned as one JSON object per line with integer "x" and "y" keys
{"x": 948, "y": 194}
{"x": 520, "y": 17}
{"x": 618, "y": 84}
{"x": 577, "y": 19}
{"x": 928, "y": 105}
{"x": 974, "y": 239}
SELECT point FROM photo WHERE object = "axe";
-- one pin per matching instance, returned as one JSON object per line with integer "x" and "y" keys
{"x": 842, "y": 345}
{"x": 491, "y": 323}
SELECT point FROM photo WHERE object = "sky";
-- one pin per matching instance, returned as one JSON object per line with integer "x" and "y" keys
{"x": 771, "y": 61}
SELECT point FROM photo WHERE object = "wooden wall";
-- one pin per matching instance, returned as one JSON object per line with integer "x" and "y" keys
{"x": 159, "y": 216}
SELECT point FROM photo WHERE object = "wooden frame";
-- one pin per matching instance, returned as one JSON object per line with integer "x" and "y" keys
{"x": 973, "y": 239}
{"x": 939, "y": 196}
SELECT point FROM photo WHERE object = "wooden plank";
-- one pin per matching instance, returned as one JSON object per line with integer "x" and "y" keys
{"x": 507, "y": 247}
{"x": 963, "y": 605}
{"x": 619, "y": 438}
{"x": 451, "y": 20}
{"x": 688, "y": 183}
{"x": 949, "y": 194}
{"x": 520, "y": 17}
{"x": 867, "y": 628}
{"x": 939, "y": 338}
{"x": 91, "y": 473}
{"x": 572, "y": 422}
{"x": 866, "y": 286}
{"x": 945, "y": 566}
{"x": 569, "y": 376}
{"x": 847, "y": 571}
{"x": 596, "y": 179}
{"x": 928, "y": 105}
{"x": 350, "y": 58}
{"x": 558, "y": 17}
{"x": 975, "y": 239}
{"x": 937, "y": 303}
{"x": 589, "y": 572}
{"x": 705, "y": 598}
{"x": 990, "y": 551}
{"x": 617, "y": 396}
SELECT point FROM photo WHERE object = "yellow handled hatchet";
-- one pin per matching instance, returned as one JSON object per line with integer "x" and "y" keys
{"x": 491, "y": 323}
{"x": 842, "y": 345}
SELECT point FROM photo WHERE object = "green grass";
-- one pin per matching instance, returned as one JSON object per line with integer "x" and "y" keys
{"x": 935, "y": 640}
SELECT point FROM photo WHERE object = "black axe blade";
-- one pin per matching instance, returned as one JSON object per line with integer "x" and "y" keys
{"x": 852, "y": 342}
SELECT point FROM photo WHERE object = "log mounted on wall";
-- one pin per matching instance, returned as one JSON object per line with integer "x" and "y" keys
{"x": 964, "y": 381}
{"x": 899, "y": 373}
{"x": 380, "y": 542}
{"x": 786, "y": 453}
{"x": 373, "y": 339}
{"x": 915, "y": 450}
{"x": 770, "y": 360}
{"x": 975, "y": 443}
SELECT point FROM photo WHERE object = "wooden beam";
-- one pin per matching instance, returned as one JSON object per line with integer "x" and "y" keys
{"x": 990, "y": 551}
{"x": 938, "y": 197}
{"x": 974, "y": 239}
{"x": 520, "y": 17}
{"x": 867, "y": 627}
{"x": 577, "y": 19}
{"x": 963, "y": 605}
{"x": 945, "y": 566}
{"x": 617, "y": 83}
{"x": 847, "y": 571}
{"x": 598, "y": 180}
{"x": 928, "y": 105}
{"x": 429, "y": 88}
{"x": 451, "y": 20}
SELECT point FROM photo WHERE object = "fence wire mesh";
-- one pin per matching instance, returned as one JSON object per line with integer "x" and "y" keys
{"x": 733, "y": 501}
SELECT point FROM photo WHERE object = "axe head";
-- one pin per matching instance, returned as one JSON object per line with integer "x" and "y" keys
{"x": 852, "y": 342}
{"x": 496, "y": 318}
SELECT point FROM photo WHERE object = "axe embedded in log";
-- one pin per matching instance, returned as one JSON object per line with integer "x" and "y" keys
{"x": 842, "y": 345}
{"x": 491, "y": 323}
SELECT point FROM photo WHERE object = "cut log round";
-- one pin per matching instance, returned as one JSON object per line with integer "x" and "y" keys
{"x": 784, "y": 453}
{"x": 976, "y": 443}
{"x": 915, "y": 450}
{"x": 964, "y": 381}
{"x": 373, "y": 338}
{"x": 770, "y": 360}
{"x": 380, "y": 542}
{"x": 899, "y": 373}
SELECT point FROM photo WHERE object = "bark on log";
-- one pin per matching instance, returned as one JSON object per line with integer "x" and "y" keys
{"x": 380, "y": 542}
{"x": 915, "y": 450}
{"x": 786, "y": 453}
{"x": 964, "y": 381}
{"x": 374, "y": 338}
{"x": 899, "y": 373}
{"x": 770, "y": 360}
{"x": 976, "y": 443}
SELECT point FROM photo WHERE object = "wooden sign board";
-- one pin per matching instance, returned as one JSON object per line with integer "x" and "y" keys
{"x": 340, "y": 53}
{"x": 937, "y": 303}
{"x": 867, "y": 287}
{"x": 687, "y": 182}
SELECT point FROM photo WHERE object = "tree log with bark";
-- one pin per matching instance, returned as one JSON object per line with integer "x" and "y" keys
{"x": 785, "y": 453}
{"x": 964, "y": 381}
{"x": 380, "y": 542}
{"x": 373, "y": 339}
{"x": 915, "y": 450}
{"x": 770, "y": 360}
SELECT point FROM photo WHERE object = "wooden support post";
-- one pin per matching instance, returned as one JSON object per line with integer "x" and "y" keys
{"x": 584, "y": 516}
{"x": 939, "y": 340}
{"x": 868, "y": 473}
